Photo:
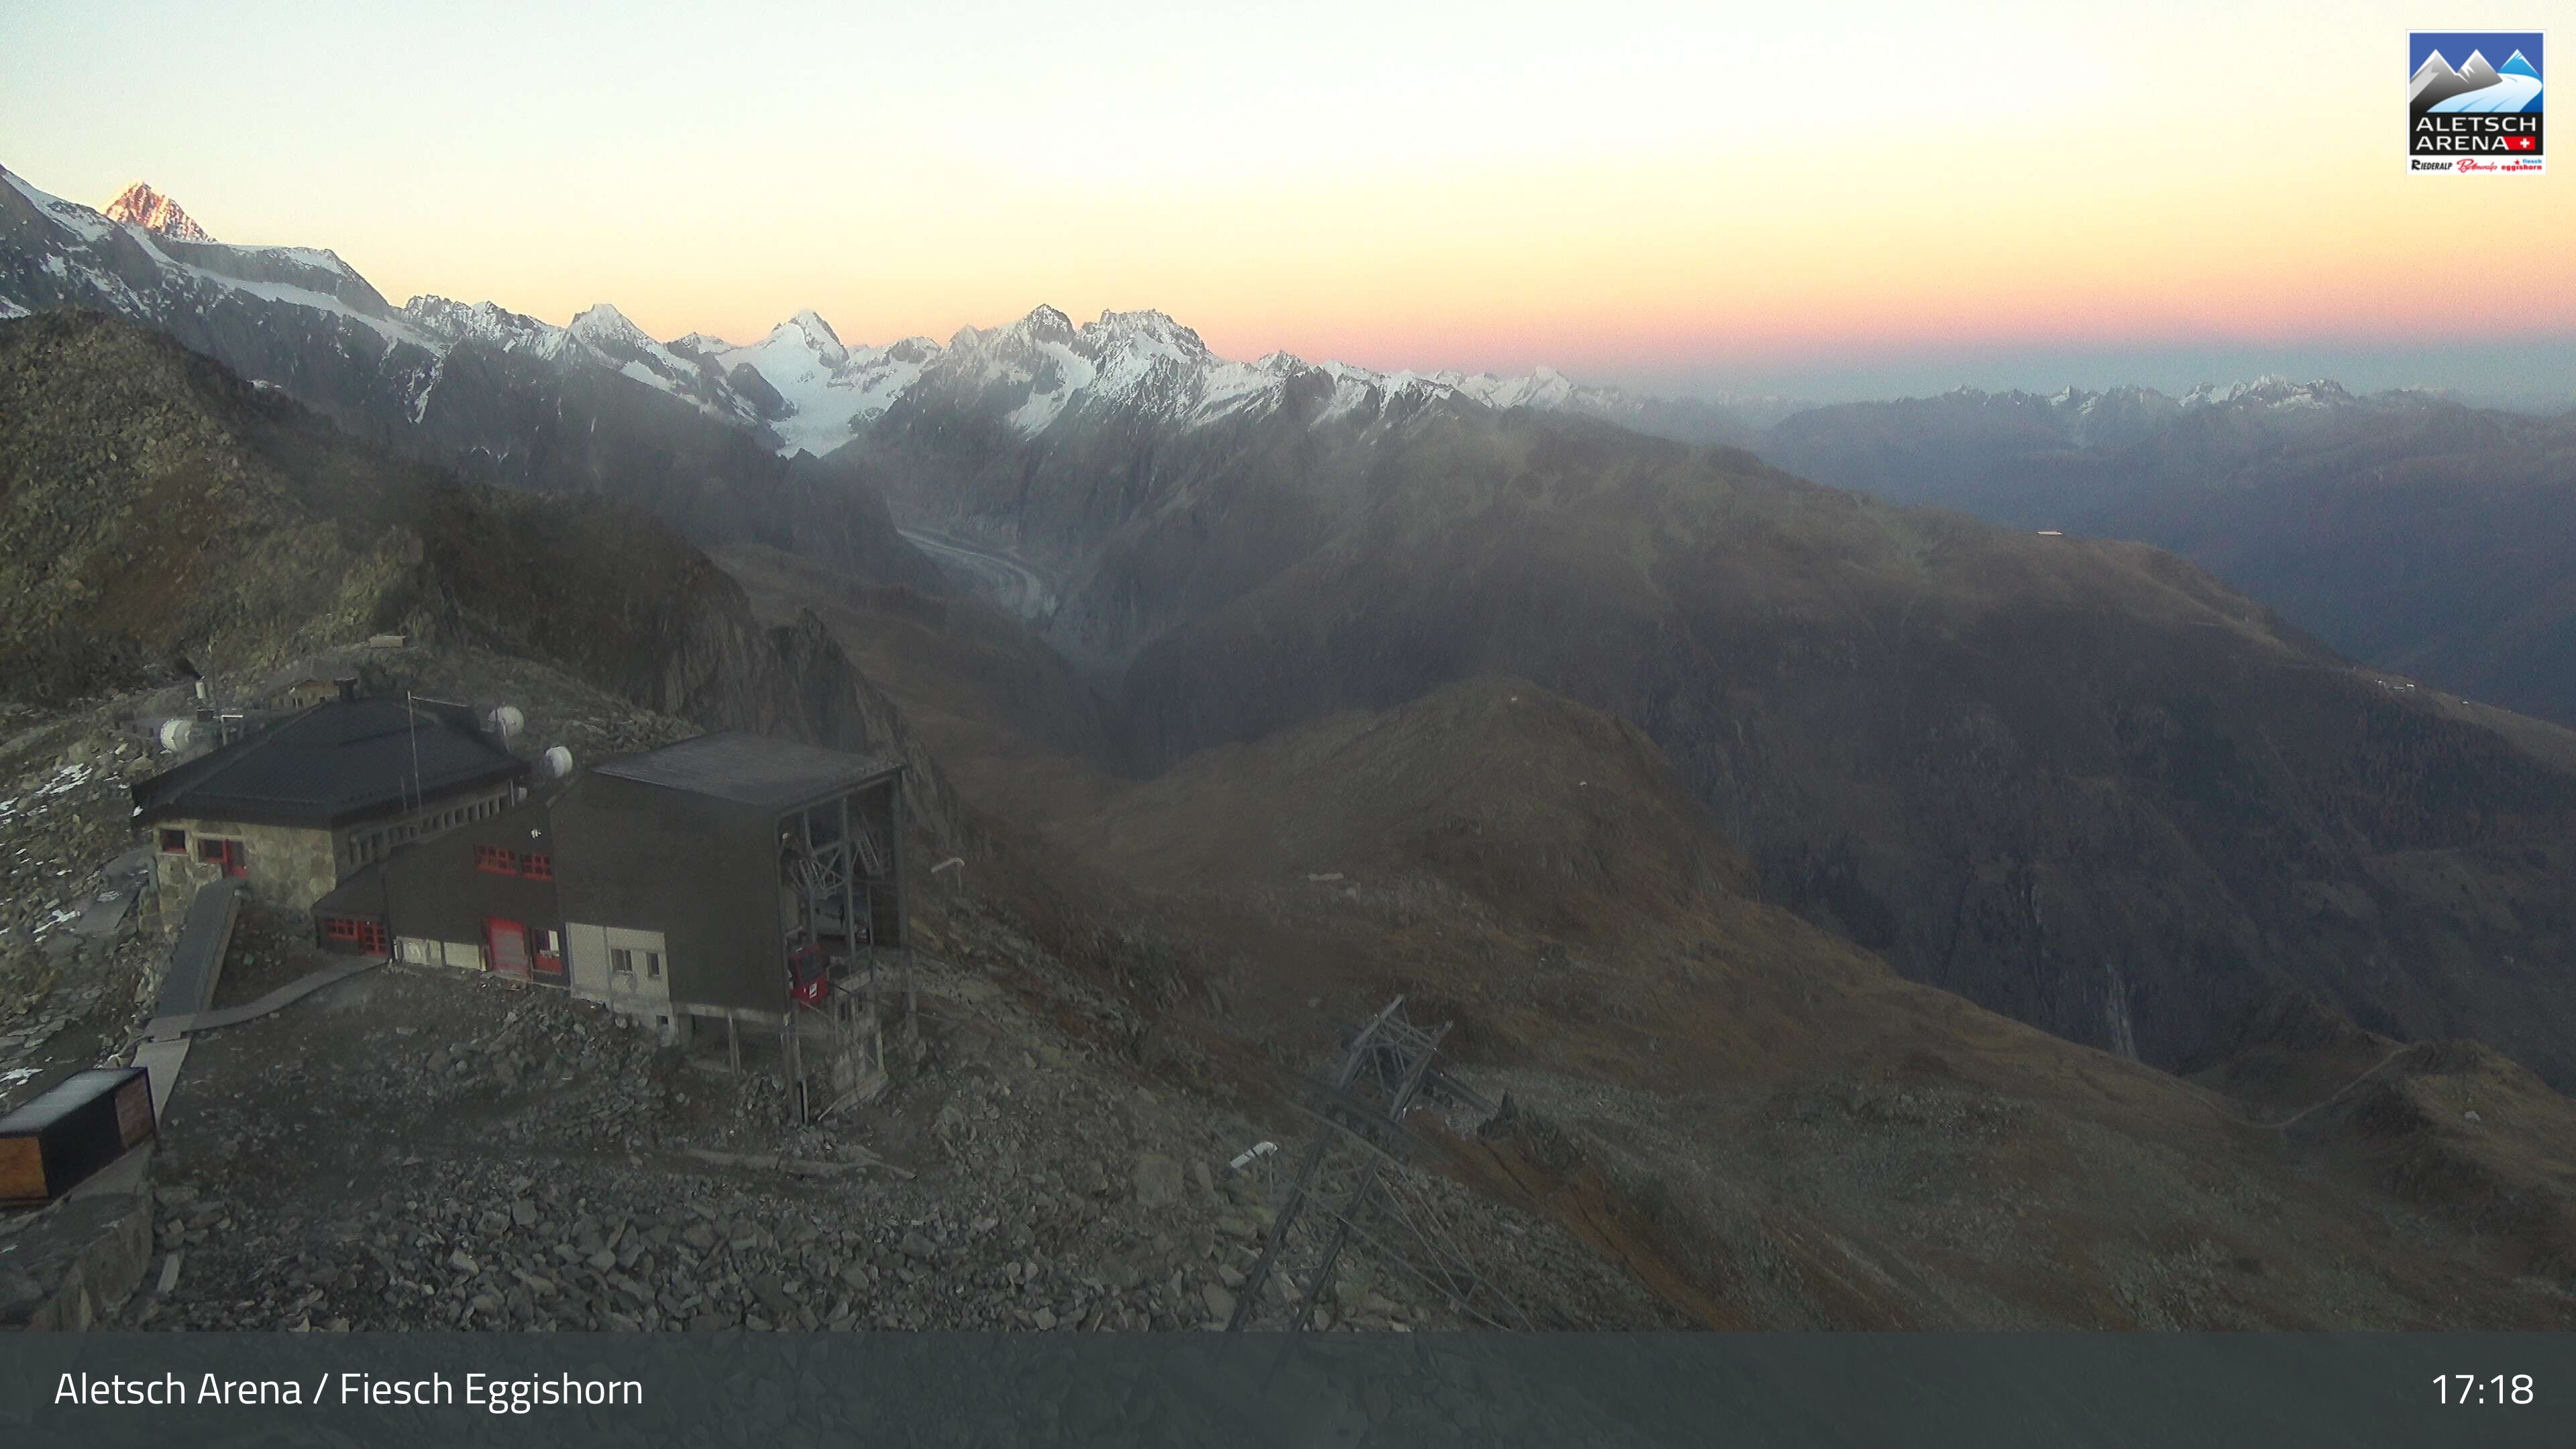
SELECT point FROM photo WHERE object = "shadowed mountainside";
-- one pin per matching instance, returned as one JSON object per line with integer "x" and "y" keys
{"x": 2410, "y": 531}
{"x": 2080, "y": 782}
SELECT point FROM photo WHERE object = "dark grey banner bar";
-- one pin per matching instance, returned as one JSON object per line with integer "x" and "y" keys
{"x": 1925, "y": 1391}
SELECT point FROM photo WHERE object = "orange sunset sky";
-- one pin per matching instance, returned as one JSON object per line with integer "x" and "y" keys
{"x": 1824, "y": 200}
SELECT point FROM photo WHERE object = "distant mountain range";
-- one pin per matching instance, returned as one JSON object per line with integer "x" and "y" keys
{"x": 590, "y": 408}
{"x": 2447, "y": 567}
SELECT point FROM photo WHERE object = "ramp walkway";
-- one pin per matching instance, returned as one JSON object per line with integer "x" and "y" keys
{"x": 293, "y": 991}
{"x": 197, "y": 961}
{"x": 196, "y": 964}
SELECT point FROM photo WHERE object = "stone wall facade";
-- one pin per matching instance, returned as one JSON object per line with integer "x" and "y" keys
{"x": 292, "y": 866}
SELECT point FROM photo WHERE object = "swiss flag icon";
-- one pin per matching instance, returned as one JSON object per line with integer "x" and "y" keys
{"x": 2521, "y": 143}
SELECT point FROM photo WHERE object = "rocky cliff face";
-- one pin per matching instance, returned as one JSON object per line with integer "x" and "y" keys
{"x": 153, "y": 506}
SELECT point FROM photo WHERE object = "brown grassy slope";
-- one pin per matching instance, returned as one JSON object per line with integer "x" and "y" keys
{"x": 1755, "y": 1115}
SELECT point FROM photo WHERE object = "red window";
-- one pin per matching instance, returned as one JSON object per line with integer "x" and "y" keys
{"x": 538, "y": 867}
{"x": 496, "y": 859}
{"x": 225, "y": 853}
{"x": 174, "y": 842}
{"x": 367, "y": 934}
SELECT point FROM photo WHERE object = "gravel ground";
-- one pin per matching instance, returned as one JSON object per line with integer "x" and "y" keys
{"x": 416, "y": 1148}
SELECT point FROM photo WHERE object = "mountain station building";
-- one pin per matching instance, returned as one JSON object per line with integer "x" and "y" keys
{"x": 724, "y": 886}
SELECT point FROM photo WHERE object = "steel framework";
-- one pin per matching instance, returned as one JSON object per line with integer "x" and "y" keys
{"x": 1355, "y": 1184}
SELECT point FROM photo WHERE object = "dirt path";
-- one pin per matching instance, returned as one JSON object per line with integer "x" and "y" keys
{"x": 2286, "y": 1123}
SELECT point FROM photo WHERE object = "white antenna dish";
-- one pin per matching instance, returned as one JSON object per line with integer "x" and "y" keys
{"x": 558, "y": 762}
{"x": 178, "y": 734}
{"x": 506, "y": 721}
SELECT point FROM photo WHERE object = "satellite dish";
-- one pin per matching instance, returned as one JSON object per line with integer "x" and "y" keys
{"x": 558, "y": 762}
{"x": 506, "y": 721}
{"x": 178, "y": 734}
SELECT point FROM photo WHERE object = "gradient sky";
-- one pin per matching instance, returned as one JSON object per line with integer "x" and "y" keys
{"x": 1837, "y": 200}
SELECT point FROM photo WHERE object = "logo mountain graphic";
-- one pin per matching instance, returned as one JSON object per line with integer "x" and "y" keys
{"x": 2477, "y": 86}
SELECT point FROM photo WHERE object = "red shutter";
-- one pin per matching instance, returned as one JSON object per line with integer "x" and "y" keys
{"x": 508, "y": 944}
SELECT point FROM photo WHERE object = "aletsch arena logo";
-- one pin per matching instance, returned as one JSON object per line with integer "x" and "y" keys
{"x": 2473, "y": 102}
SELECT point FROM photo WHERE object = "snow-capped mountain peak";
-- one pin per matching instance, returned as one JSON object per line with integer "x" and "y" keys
{"x": 604, "y": 327}
{"x": 1153, "y": 327}
{"x": 1042, "y": 324}
{"x": 140, "y": 205}
{"x": 808, "y": 329}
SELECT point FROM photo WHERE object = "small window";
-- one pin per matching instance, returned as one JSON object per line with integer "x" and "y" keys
{"x": 210, "y": 851}
{"x": 653, "y": 965}
{"x": 538, "y": 867}
{"x": 174, "y": 842}
{"x": 621, "y": 961}
{"x": 496, "y": 859}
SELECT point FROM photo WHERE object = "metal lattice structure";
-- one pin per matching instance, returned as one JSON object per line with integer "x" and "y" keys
{"x": 829, "y": 879}
{"x": 1355, "y": 1185}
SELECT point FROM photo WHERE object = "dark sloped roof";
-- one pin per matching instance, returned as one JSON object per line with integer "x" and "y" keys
{"x": 749, "y": 769}
{"x": 362, "y": 894}
{"x": 337, "y": 761}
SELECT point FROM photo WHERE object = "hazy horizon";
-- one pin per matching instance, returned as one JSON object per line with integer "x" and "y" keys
{"x": 1415, "y": 187}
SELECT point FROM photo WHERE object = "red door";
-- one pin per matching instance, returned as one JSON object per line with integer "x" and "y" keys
{"x": 506, "y": 942}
